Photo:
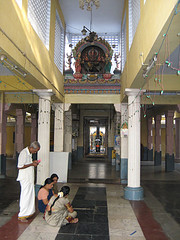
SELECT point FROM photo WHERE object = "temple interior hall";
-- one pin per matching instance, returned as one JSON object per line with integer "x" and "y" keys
{"x": 97, "y": 84}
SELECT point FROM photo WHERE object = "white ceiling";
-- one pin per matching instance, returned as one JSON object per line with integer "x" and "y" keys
{"x": 105, "y": 19}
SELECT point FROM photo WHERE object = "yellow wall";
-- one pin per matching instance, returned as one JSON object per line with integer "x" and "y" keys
{"x": 10, "y": 144}
{"x": 19, "y": 40}
{"x": 153, "y": 16}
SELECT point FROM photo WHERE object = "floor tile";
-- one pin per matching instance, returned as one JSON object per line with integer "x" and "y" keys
{"x": 93, "y": 228}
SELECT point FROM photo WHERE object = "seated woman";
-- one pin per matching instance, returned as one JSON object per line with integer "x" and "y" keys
{"x": 44, "y": 194}
{"x": 55, "y": 178}
{"x": 59, "y": 211}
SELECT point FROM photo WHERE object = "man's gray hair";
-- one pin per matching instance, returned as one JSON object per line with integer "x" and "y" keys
{"x": 35, "y": 145}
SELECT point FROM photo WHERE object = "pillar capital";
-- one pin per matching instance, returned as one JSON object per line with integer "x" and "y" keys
{"x": 44, "y": 92}
{"x": 67, "y": 107}
{"x": 117, "y": 107}
{"x": 133, "y": 91}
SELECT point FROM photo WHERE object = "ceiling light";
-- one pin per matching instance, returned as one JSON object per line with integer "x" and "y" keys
{"x": 84, "y": 31}
{"x": 88, "y": 4}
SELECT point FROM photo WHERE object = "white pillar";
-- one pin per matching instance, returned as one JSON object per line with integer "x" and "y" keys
{"x": 124, "y": 143}
{"x": 33, "y": 127}
{"x": 68, "y": 131}
{"x": 43, "y": 133}
{"x": 133, "y": 191}
{"x": 59, "y": 127}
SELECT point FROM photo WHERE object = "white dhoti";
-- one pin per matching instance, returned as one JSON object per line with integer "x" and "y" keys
{"x": 26, "y": 179}
{"x": 27, "y": 199}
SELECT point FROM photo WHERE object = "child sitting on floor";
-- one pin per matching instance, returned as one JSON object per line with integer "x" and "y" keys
{"x": 59, "y": 211}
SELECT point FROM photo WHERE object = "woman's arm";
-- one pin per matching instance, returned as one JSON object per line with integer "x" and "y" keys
{"x": 45, "y": 201}
{"x": 69, "y": 207}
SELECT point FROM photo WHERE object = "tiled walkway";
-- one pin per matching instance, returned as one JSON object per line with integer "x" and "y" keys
{"x": 103, "y": 212}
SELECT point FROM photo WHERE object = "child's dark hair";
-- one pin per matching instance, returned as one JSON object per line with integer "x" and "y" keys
{"x": 65, "y": 190}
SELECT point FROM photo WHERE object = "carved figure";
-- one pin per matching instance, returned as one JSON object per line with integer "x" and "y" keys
{"x": 116, "y": 56}
{"x": 69, "y": 62}
{"x": 78, "y": 63}
{"x": 108, "y": 64}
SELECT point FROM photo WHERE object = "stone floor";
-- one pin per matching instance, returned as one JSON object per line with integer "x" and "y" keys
{"x": 97, "y": 195}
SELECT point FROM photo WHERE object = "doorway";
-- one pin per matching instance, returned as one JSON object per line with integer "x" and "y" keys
{"x": 95, "y": 137}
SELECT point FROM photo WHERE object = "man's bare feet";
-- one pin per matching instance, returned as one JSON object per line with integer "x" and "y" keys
{"x": 23, "y": 219}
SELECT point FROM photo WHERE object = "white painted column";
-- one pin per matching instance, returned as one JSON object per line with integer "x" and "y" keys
{"x": 67, "y": 129}
{"x": 59, "y": 127}
{"x": 133, "y": 191}
{"x": 44, "y": 133}
{"x": 117, "y": 121}
{"x": 33, "y": 127}
{"x": 124, "y": 143}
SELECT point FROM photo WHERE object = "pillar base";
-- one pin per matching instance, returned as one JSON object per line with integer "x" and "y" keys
{"x": 150, "y": 155}
{"x": 2, "y": 166}
{"x": 70, "y": 161}
{"x": 157, "y": 158}
{"x": 124, "y": 181}
{"x": 136, "y": 194}
{"x": 169, "y": 162}
{"x": 37, "y": 187}
{"x": 123, "y": 170}
{"x": 117, "y": 162}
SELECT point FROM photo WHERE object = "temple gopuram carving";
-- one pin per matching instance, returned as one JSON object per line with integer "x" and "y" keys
{"x": 92, "y": 75}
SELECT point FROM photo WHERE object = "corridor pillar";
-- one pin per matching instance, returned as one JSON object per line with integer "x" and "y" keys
{"x": 157, "y": 155}
{"x": 117, "y": 145}
{"x": 177, "y": 140}
{"x": 44, "y": 133}
{"x": 3, "y": 137}
{"x": 59, "y": 127}
{"x": 124, "y": 143}
{"x": 19, "y": 131}
{"x": 68, "y": 129}
{"x": 33, "y": 127}
{"x": 150, "y": 140}
{"x": 169, "y": 155}
{"x": 68, "y": 132}
{"x": 133, "y": 191}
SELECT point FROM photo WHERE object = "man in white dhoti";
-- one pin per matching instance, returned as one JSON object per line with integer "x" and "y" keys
{"x": 26, "y": 179}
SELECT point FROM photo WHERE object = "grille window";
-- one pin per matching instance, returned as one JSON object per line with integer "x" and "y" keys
{"x": 134, "y": 16}
{"x": 123, "y": 44}
{"x": 39, "y": 17}
{"x": 59, "y": 43}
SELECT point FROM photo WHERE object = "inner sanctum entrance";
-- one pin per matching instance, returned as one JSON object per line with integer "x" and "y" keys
{"x": 95, "y": 137}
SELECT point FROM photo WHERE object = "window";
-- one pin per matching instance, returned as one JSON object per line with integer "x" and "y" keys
{"x": 39, "y": 17}
{"x": 134, "y": 16}
{"x": 123, "y": 43}
{"x": 59, "y": 44}
{"x": 19, "y": 2}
